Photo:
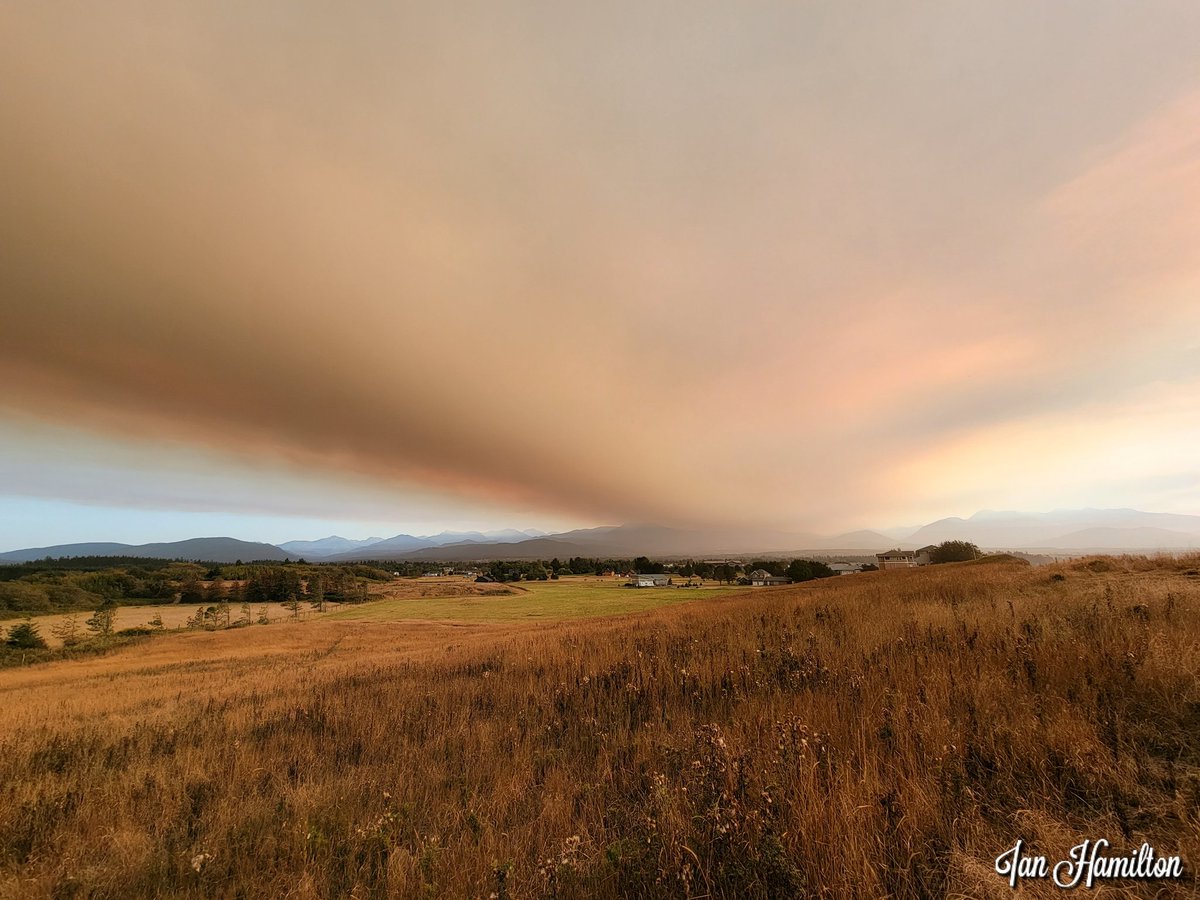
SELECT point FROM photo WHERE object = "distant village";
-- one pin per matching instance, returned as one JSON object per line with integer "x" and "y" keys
{"x": 642, "y": 573}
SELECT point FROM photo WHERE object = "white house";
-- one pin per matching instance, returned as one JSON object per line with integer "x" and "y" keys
{"x": 761, "y": 577}
{"x": 905, "y": 559}
{"x": 897, "y": 559}
{"x": 651, "y": 580}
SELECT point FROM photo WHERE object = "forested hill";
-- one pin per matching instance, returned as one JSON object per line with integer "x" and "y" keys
{"x": 211, "y": 549}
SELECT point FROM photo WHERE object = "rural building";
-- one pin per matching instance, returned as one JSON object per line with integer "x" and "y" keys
{"x": 845, "y": 568}
{"x": 905, "y": 559}
{"x": 652, "y": 580}
{"x": 761, "y": 577}
{"x": 897, "y": 559}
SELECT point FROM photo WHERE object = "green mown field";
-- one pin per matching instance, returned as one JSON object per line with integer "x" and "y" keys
{"x": 567, "y": 598}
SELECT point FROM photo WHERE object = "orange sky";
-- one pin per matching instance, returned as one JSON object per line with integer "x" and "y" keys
{"x": 543, "y": 264}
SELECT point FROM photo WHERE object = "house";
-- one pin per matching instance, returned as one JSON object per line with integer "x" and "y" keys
{"x": 845, "y": 568}
{"x": 761, "y": 577}
{"x": 924, "y": 557}
{"x": 651, "y": 580}
{"x": 905, "y": 559}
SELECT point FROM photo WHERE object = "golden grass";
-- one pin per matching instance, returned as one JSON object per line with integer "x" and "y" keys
{"x": 529, "y": 601}
{"x": 878, "y": 735}
{"x": 173, "y": 615}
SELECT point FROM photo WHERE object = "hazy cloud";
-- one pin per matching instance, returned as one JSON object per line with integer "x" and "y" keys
{"x": 695, "y": 263}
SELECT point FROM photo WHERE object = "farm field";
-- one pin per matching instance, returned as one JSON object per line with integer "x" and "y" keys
{"x": 542, "y": 601}
{"x": 882, "y": 735}
{"x": 174, "y": 615}
{"x": 449, "y": 599}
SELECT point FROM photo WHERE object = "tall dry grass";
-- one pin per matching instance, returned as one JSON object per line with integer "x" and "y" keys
{"x": 882, "y": 735}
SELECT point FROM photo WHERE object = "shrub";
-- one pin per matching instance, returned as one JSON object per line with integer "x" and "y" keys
{"x": 101, "y": 622}
{"x": 25, "y": 637}
{"x": 954, "y": 551}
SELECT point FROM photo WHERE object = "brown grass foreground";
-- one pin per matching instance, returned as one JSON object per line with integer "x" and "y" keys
{"x": 885, "y": 734}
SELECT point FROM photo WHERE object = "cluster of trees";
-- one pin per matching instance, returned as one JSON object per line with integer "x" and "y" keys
{"x": 280, "y": 584}
{"x": 97, "y": 629}
{"x": 43, "y": 587}
{"x": 538, "y": 570}
{"x": 954, "y": 551}
{"x": 796, "y": 569}
{"x": 74, "y": 585}
{"x": 240, "y": 571}
{"x": 515, "y": 571}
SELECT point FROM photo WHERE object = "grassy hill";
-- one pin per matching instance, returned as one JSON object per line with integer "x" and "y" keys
{"x": 887, "y": 734}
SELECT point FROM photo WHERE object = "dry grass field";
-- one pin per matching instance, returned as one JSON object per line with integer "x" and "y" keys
{"x": 572, "y": 597}
{"x": 448, "y": 599}
{"x": 878, "y": 735}
{"x": 173, "y": 615}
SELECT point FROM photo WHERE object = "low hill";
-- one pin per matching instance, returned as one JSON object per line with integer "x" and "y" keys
{"x": 993, "y": 559}
{"x": 212, "y": 549}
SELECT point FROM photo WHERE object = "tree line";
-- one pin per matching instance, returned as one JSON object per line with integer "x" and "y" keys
{"x": 47, "y": 587}
{"x": 540, "y": 570}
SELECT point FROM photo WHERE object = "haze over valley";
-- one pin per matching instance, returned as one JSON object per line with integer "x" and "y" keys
{"x": 1074, "y": 531}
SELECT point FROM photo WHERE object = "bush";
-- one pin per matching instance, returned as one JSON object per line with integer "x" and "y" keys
{"x": 136, "y": 631}
{"x": 25, "y": 637}
{"x": 101, "y": 622}
{"x": 954, "y": 551}
{"x": 23, "y": 598}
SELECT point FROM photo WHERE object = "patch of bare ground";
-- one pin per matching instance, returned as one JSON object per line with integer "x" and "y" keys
{"x": 879, "y": 735}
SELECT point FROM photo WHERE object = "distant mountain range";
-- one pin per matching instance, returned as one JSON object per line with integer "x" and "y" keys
{"x": 1075, "y": 530}
{"x": 214, "y": 549}
{"x": 1066, "y": 529}
{"x": 327, "y": 546}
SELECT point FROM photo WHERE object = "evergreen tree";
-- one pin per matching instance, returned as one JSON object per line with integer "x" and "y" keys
{"x": 316, "y": 592}
{"x": 101, "y": 622}
{"x": 215, "y": 592}
{"x": 67, "y": 631}
{"x": 25, "y": 636}
{"x": 192, "y": 591}
{"x": 800, "y": 570}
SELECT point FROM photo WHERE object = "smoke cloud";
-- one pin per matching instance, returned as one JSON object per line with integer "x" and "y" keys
{"x": 688, "y": 264}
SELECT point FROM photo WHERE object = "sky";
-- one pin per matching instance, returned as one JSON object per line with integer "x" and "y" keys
{"x": 285, "y": 269}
